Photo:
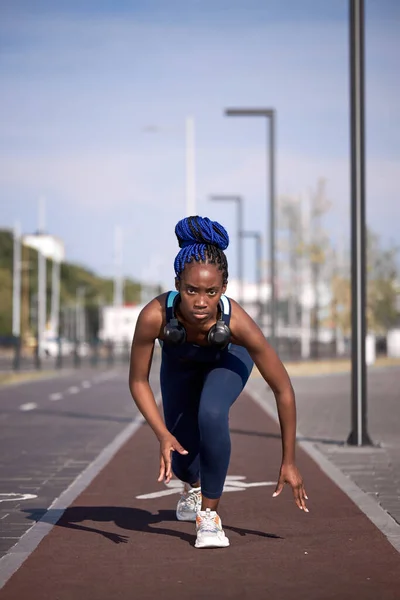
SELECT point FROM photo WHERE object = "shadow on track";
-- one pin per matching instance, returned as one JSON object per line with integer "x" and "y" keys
{"x": 131, "y": 519}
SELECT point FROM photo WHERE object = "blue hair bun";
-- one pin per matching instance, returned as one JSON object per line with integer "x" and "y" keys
{"x": 194, "y": 235}
{"x": 201, "y": 230}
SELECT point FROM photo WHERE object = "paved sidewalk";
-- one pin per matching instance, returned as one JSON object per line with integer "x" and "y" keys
{"x": 114, "y": 543}
{"x": 324, "y": 404}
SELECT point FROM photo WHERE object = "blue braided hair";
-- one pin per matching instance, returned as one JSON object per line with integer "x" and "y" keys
{"x": 202, "y": 240}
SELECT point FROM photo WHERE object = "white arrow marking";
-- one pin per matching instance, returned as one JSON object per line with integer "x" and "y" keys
{"x": 73, "y": 390}
{"x": 16, "y": 497}
{"x": 28, "y": 406}
{"x": 233, "y": 483}
{"x": 86, "y": 384}
{"x": 56, "y": 396}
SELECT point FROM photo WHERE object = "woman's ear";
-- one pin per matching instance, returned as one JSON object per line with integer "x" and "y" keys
{"x": 224, "y": 288}
{"x": 177, "y": 284}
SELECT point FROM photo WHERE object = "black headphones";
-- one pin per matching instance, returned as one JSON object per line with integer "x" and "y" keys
{"x": 174, "y": 332}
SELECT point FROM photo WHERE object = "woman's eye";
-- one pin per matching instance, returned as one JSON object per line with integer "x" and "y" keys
{"x": 212, "y": 293}
{"x": 191, "y": 291}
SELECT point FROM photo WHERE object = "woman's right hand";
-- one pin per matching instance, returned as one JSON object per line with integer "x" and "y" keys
{"x": 168, "y": 444}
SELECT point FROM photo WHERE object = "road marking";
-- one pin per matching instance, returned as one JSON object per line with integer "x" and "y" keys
{"x": 11, "y": 497}
{"x": 56, "y": 396}
{"x": 28, "y": 406}
{"x": 73, "y": 390}
{"x": 233, "y": 483}
{"x": 86, "y": 384}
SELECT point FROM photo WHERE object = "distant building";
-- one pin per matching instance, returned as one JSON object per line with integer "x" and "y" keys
{"x": 50, "y": 246}
{"x": 118, "y": 323}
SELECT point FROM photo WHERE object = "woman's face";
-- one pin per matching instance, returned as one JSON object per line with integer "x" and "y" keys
{"x": 200, "y": 287}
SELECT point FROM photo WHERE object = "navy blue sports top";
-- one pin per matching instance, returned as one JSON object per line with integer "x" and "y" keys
{"x": 187, "y": 350}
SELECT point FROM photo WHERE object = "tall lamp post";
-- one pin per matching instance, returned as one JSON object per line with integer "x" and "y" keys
{"x": 256, "y": 235}
{"x": 239, "y": 204}
{"x": 268, "y": 113}
{"x": 359, "y": 434}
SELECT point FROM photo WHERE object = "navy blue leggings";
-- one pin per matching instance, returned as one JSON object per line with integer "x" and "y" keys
{"x": 196, "y": 400}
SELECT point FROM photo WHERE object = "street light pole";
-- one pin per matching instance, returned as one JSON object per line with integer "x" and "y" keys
{"x": 239, "y": 223}
{"x": 258, "y": 239}
{"x": 270, "y": 114}
{"x": 359, "y": 434}
{"x": 16, "y": 305}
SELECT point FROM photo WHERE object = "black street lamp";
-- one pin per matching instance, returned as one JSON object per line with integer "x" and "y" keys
{"x": 359, "y": 434}
{"x": 256, "y": 235}
{"x": 239, "y": 223}
{"x": 270, "y": 114}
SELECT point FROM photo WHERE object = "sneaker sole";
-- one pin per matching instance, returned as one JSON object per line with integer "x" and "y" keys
{"x": 212, "y": 543}
{"x": 192, "y": 519}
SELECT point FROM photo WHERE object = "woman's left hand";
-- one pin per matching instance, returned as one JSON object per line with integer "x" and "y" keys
{"x": 291, "y": 475}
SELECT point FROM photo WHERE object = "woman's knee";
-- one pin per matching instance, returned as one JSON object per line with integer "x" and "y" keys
{"x": 213, "y": 418}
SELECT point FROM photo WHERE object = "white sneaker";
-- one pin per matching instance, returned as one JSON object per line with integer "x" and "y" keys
{"x": 189, "y": 505}
{"x": 209, "y": 530}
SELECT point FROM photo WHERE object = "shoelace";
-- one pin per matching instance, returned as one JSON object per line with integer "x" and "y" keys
{"x": 208, "y": 523}
{"x": 191, "y": 500}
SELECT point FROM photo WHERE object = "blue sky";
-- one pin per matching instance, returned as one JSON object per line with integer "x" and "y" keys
{"x": 81, "y": 84}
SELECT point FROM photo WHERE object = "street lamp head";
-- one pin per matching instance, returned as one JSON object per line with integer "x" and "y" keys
{"x": 249, "y": 112}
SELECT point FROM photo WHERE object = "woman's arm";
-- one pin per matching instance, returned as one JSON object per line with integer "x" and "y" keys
{"x": 246, "y": 333}
{"x": 147, "y": 330}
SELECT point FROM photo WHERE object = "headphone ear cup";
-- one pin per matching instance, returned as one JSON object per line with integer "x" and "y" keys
{"x": 174, "y": 333}
{"x": 219, "y": 335}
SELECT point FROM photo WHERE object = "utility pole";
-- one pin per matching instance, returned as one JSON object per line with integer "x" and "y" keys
{"x": 55, "y": 297}
{"x": 16, "y": 310}
{"x": 79, "y": 324}
{"x": 41, "y": 317}
{"x": 118, "y": 280}
{"x": 190, "y": 168}
{"x": 305, "y": 319}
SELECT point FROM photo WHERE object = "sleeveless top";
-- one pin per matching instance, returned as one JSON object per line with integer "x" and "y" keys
{"x": 193, "y": 352}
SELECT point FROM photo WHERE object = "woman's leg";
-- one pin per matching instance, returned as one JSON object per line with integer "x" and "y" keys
{"x": 181, "y": 386}
{"x": 222, "y": 385}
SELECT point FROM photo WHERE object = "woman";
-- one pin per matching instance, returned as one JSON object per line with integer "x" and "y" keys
{"x": 209, "y": 345}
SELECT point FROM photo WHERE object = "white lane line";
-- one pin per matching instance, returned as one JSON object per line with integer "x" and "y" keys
{"x": 13, "y": 497}
{"x": 73, "y": 390}
{"x": 56, "y": 396}
{"x": 28, "y": 406}
{"x": 86, "y": 385}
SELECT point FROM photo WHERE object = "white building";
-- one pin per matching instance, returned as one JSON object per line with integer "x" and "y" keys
{"x": 50, "y": 246}
{"x": 118, "y": 323}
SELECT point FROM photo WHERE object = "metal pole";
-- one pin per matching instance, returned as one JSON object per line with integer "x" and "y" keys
{"x": 240, "y": 250}
{"x": 239, "y": 225}
{"x": 16, "y": 307}
{"x": 358, "y": 435}
{"x": 272, "y": 227}
{"x": 259, "y": 276}
{"x": 190, "y": 168}
{"x": 118, "y": 280}
{"x": 41, "y": 301}
{"x": 258, "y": 251}
{"x": 55, "y": 298}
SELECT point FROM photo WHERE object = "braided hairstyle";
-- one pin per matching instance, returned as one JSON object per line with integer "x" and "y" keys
{"x": 202, "y": 240}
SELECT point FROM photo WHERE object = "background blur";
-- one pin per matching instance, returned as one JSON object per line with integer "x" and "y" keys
{"x": 113, "y": 129}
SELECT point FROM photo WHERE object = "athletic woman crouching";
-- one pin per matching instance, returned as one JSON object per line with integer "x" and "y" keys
{"x": 209, "y": 345}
